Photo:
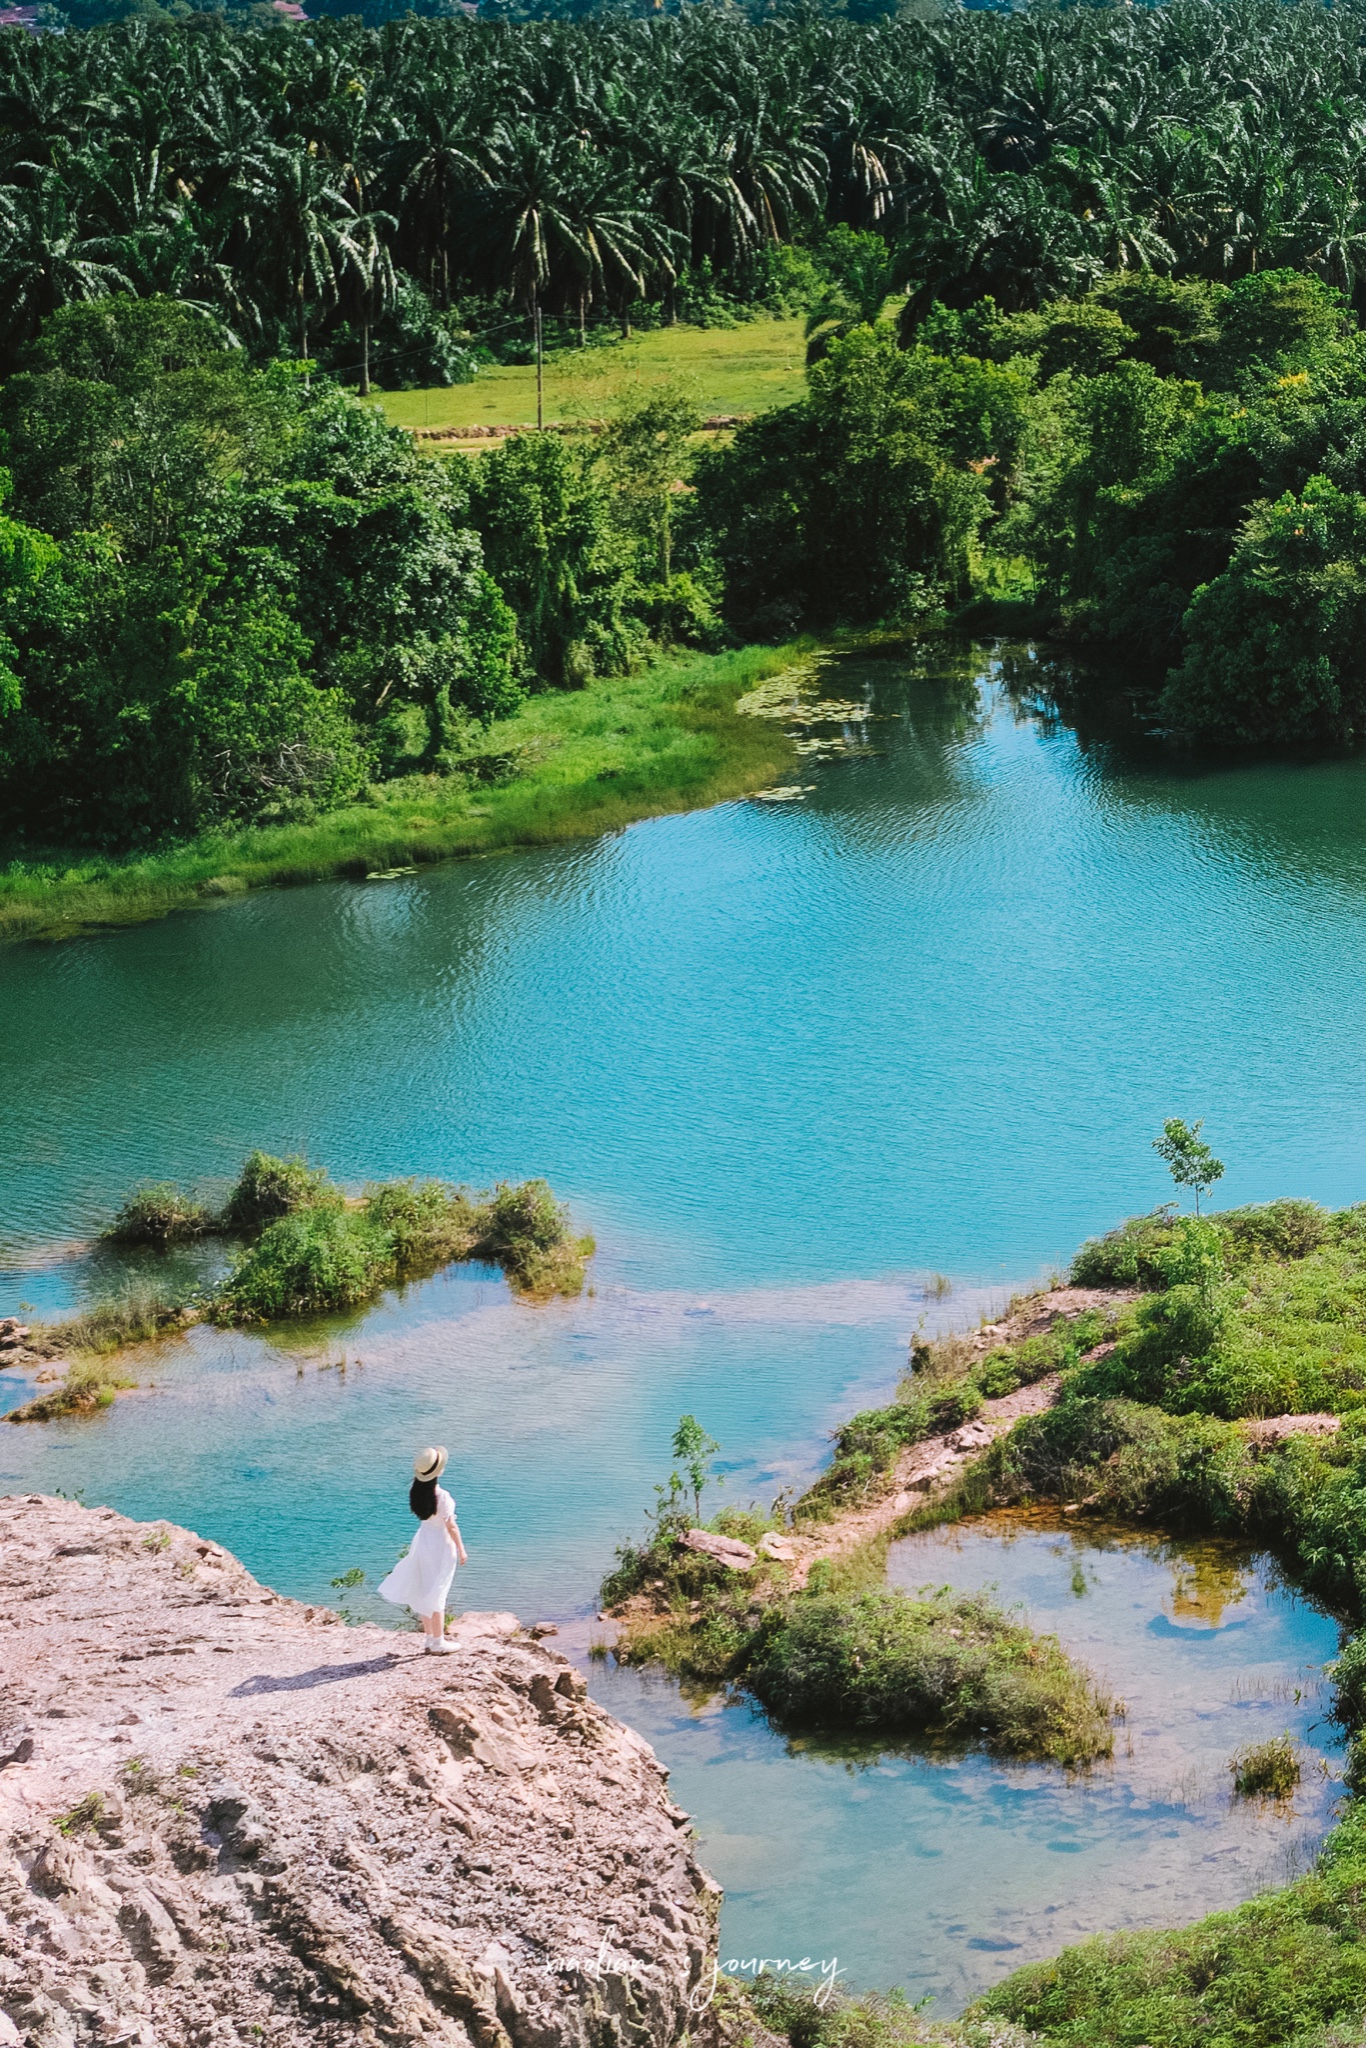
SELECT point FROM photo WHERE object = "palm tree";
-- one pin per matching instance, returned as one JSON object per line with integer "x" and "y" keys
{"x": 300, "y": 218}
{"x": 367, "y": 276}
{"x": 47, "y": 258}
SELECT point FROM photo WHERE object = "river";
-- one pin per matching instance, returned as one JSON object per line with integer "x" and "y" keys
{"x": 787, "y": 1061}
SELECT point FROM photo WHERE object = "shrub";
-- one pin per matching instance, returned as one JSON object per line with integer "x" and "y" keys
{"x": 951, "y": 1664}
{"x": 866, "y": 1448}
{"x": 808, "y": 2017}
{"x": 1129, "y": 1460}
{"x": 426, "y": 1222}
{"x": 526, "y": 1232}
{"x": 269, "y": 1188}
{"x": 158, "y": 1214}
{"x": 1284, "y": 1230}
{"x": 1266, "y": 1770}
{"x": 1126, "y": 1256}
{"x": 311, "y": 1263}
{"x": 1349, "y": 1681}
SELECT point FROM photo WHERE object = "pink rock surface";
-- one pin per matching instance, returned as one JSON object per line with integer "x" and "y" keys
{"x": 226, "y": 1817}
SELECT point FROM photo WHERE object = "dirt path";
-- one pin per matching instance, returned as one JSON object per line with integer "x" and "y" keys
{"x": 930, "y": 1467}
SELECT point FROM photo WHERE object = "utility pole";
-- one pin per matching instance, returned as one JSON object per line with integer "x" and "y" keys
{"x": 540, "y": 369}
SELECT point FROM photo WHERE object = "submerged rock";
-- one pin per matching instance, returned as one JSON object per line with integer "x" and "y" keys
{"x": 226, "y": 1817}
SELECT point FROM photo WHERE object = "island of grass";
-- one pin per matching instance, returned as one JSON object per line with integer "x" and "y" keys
{"x": 305, "y": 1249}
{"x": 1197, "y": 1374}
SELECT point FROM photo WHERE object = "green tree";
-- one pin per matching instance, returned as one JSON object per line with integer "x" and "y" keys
{"x": 557, "y": 555}
{"x": 1189, "y": 1161}
{"x": 862, "y": 274}
{"x": 1276, "y": 645}
{"x": 694, "y": 1450}
{"x": 647, "y": 455}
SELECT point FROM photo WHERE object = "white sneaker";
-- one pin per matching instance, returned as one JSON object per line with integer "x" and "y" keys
{"x": 437, "y": 1646}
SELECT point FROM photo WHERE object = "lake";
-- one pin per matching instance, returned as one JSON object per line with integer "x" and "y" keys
{"x": 788, "y": 1062}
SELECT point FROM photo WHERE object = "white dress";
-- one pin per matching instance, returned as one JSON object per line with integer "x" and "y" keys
{"x": 422, "y": 1579}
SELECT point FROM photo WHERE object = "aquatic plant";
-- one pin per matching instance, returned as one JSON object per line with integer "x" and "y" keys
{"x": 1268, "y": 1770}
{"x": 527, "y": 1232}
{"x": 159, "y": 1214}
{"x": 945, "y": 1663}
{"x": 311, "y": 1263}
{"x": 323, "y": 1256}
{"x": 88, "y": 1385}
{"x": 426, "y": 1222}
{"x": 269, "y": 1188}
{"x": 133, "y": 1316}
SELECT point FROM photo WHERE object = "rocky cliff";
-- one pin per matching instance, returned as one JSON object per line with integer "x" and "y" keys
{"x": 227, "y": 1818}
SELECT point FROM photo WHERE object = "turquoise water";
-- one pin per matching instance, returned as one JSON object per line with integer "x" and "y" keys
{"x": 785, "y": 1061}
{"x": 941, "y": 1871}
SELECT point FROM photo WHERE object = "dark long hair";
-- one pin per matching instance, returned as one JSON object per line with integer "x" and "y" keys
{"x": 422, "y": 1499}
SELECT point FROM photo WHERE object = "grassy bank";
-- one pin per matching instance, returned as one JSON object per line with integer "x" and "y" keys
{"x": 568, "y": 764}
{"x": 726, "y": 370}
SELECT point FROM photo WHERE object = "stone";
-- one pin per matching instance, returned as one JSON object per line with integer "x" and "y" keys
{"x": 333, "y": 1840}
{"x": 727, "y": 1550}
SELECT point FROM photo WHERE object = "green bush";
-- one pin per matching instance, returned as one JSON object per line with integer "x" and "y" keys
{"x": 1126, "y": 1256}
{"x": 314, "y": 1262}
{"x": 1287, "y": 1229}
{"x": 270, "y": 1188}
{"x": 158, "y": 1214}
{"x": 527, "y": 1232}
{"x": 950, "y": 1664}
{"x": 426, "y": 1222}
{"x": 1349, "y": 1682}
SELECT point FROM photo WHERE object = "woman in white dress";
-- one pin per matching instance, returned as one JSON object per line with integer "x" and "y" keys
{"x": 422, "y": 1579}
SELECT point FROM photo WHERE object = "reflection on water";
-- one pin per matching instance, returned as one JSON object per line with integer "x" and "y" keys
{"x": 941, "y": 1871}
{"x": 927, "y": 1018}
{"x": 784, "y": 1061}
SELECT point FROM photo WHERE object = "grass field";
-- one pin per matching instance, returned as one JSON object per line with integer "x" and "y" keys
{"x": 666, "y": 739}
{"x": 725, "y": 370}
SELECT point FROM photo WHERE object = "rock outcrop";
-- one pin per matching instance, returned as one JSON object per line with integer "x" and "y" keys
{"x": 227, "y": 1818}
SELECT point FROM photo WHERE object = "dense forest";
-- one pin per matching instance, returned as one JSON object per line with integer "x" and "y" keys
{"x": 1081, "y": 292}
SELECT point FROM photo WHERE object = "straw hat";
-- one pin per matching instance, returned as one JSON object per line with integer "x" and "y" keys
{"x": 431, "y": 1463}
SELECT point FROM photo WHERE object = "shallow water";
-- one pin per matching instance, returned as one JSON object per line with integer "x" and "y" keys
{"x": 785, "y": 1061}
{"x": 941, "y": 1870}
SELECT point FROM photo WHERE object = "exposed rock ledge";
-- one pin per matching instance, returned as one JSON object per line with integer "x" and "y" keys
{"x": 307, "y": 1833}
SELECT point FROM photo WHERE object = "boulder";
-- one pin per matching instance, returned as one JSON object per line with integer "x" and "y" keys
{"x": 726, "y": 1550}
{"x": 228, "y": 1818}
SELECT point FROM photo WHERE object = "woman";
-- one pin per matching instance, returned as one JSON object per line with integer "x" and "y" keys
{"x": 422, "y": 1579}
